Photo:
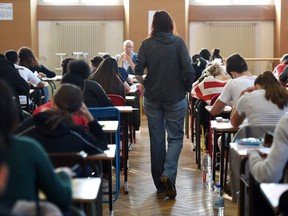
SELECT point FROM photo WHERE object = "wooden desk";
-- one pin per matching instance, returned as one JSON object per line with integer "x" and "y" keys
{"x": 238, "y": 156}
{"x": 272, "y": 193}
{"x": 107, "y": 155}
{"x": 51, "y": 81}
{"x": 227, "y": 109}
{"x": 85, "y": 191}
{"x": 223, "y": 128}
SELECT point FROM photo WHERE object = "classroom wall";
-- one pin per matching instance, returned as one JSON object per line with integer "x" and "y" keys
{"x": 137, "y": 19}
{"x": 22, "y": 30}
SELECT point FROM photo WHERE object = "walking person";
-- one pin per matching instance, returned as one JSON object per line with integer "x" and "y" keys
{"x": 169, "y": 76}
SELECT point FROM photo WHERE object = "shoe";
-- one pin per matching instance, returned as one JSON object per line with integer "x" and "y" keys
{"x": 170, "y": 189}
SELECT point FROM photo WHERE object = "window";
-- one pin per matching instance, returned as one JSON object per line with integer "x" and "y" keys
{"x": 60, "y": 1}
{"x": 232, "y": 2}
{"x": 82, "y": 2}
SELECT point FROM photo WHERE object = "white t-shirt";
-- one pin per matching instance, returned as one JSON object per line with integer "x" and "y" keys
{"x": 27, "y": 75}
{"x": 233, "y": 88}
{"x": 258, "y": 109}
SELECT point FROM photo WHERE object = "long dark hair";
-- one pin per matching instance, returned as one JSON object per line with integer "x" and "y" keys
{"x": 27, "y": 58}
{"x": 162, "y": 22}
{"x": 8, "y": 117}
{"x": 274, "y": 91}
{"x": 107, "y": 75}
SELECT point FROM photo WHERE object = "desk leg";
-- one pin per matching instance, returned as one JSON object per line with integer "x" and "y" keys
{"x": 214, "y": 155}
{"x": 198, "y": 145}
{"x": 222, "y": 160}
{"x": 110, "y": 189}
{"x": 125, "y": 152}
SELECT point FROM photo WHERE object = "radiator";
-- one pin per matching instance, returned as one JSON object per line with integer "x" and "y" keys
{"x": 234, "y": 37}
{"x": 89, "y": 37}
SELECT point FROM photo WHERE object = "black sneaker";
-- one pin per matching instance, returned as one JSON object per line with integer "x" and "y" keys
{"x": 170, "y": 189}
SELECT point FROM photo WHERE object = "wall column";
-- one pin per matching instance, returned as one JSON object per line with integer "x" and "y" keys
{"x": 136, "y": 17}
{"x": 281, "y": 28}
{"x": 22, "y": 30}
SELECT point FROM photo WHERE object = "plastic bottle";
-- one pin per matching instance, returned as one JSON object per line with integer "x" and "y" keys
{"x": 206, "y": 171}
{"x": 218, "y": 202}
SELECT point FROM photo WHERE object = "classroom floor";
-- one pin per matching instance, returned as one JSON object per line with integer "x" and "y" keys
{"x": 142, "y": 199}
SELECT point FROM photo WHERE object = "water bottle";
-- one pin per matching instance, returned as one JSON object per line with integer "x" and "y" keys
{"x": 218, "y": 202}
{"x": 206, "y": 171}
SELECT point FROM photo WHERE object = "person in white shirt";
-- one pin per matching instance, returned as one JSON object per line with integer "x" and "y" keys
{"x": 24, "y": 72}
{"x": 263, "y": 104}
{"x": 27, "y": 75}
{"x": 242, "y": 78}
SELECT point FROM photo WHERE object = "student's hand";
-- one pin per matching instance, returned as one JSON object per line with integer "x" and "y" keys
{"x": 85, "y": 113}
{"x": 249, "y": 89}
{"x": 41, "y": 75}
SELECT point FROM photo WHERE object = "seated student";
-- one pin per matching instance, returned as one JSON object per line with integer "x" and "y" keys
{"x": 30, "y": 170}
{"x": 216, "y": 55}
{"x": 107, "y": 76}
{"x": 237, "y": 68}
{"x": 265, "y": 103}
{"x": 28, "y": 59}
{"x": 270, "y": 169}
{"x": 4, "y": 170}
{"x": 93, "y": 94}
{"x": 30, "y": 78}
{"x": 95, "y": 62}
{"x": 278, "y": 70}
{"x": 17, "y": 84}
{"x": 199, "y": 64}
{"x": 211, "y": 84}
{"x": 55, "y": 129}
{"x": 283, "y": 78}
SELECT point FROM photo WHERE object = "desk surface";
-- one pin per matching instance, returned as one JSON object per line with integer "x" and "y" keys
{"x": 273, "y": 192}
{"x": 129, "y": 98}
{"x": 243, "y": 150}
{"x": 85, "y": 189}
{"x": 109, "y": 126}
{"x": 56, "y": 78}
{"x": 223, "y": 126}
{"x": 107, "y": 155}
{"x": 227, "y": 109}
{"x": 125, "y": 109}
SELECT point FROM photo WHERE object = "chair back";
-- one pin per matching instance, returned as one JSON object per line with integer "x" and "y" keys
{"x": 256, "y": 131}
{"x": 105, "y": 112}
{"x": 116, "y": 100}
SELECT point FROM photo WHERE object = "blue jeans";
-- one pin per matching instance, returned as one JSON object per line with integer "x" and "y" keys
{"x": 161, "y": 118}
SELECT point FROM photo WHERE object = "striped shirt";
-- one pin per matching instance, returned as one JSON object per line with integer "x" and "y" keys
{"x": 208, "y": 88}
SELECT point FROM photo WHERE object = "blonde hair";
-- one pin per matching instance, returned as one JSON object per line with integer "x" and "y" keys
{"x": 214, "y": 69}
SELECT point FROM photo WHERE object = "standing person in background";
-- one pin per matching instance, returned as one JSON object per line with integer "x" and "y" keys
{"x": 170, "y": 75}
{"x": 127, "y": 59}
{"x": 28, "y": 59}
